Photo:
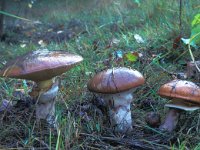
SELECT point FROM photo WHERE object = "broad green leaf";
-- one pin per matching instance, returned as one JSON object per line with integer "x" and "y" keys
{"x": 195, "y": 35}
{"x": 194, "y": 39}
{"x": 196, "y": 20}
{"x": 131, "y": 57}
{"x": 187, "y": 41}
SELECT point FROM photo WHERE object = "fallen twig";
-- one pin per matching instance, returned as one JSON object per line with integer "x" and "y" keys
{"x": 140, "y": 143}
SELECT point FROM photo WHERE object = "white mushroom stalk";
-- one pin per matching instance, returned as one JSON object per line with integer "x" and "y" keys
{"x": 45, "y": 105}
{"x": 119, "y": 110}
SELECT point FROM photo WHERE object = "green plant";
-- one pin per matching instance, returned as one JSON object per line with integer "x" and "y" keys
{"x": 195, "y": 37}
{"x": 195, "y": 31}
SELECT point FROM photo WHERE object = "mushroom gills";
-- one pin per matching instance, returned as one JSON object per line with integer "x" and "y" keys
{"x": 182, "y": 105}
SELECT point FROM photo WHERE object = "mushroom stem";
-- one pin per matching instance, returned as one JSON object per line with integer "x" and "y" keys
{"x": 44, "y": 85}
{"x": 119, "y": 110}
{"x": 45, "y": 107}
{"x": 48, "y": 95}
{"x": 171, "y": 120}
{"x": 45, "y": 111}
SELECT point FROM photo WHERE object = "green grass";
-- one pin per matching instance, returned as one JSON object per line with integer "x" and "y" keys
{"x": 156, "y": 21}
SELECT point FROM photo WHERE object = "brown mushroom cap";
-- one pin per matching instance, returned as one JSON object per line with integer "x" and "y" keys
{"x": 40, "y": 65}
{"x": 115, "y": 80}
{"x": 181, "y": 90}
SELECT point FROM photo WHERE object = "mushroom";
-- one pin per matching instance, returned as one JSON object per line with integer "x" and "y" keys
{"x": 184, "y": 95}
{"x": 116, "y": 86}
{"x": 41, "y": 66}
{"x": 192, "y": 71}
{"x": 152, "y": 119}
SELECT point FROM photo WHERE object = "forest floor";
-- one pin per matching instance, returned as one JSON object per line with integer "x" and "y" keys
{"x": 100, "y": 33}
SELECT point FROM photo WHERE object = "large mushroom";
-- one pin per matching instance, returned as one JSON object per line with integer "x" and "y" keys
{"x": 42, "y": 66}
{"x": 184, "y": 95}
{"x": 116, "y": 86}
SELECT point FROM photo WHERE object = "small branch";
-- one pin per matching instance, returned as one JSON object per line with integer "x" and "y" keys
{"x": 133, "y": 143}
{"x": 180, "y": 16}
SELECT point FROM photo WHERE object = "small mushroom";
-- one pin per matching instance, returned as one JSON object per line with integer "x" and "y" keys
{"x": 152, "y": 119}
{"x": 116, "y": 86}
{"x": 192, "y": 71}
{"x": 184, "y": 95}
{"x": 41, "y": 66}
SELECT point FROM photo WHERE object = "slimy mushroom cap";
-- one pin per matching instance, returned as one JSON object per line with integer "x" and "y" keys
{"x": 115, "y": 80}
{"x": 181, "y": 89}
{"x": 40, "y": 65}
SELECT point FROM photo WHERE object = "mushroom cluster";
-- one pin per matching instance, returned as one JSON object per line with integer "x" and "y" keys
{"x": 184, "y": 95}
{"x": 42, "y": 66}
{"x": 116, "y": 86}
